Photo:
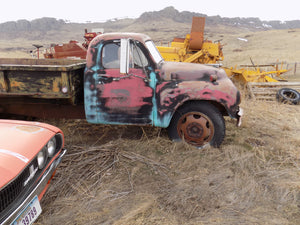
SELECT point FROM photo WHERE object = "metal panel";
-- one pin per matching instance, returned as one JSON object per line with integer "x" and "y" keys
{"x": 197, "y": 32}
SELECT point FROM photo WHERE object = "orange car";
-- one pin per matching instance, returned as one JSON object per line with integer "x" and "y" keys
{"x": 29, "y": 155}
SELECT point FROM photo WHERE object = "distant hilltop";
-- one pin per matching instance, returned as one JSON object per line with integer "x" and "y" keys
{"x": 186, "y": 17}
{"x": 45, "y": 28}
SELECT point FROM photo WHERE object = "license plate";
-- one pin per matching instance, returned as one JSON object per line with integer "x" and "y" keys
{"x": 30, "y": 213}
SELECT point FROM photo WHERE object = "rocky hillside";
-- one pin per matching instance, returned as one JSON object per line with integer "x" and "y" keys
{"x": 59, "y": 30}
{"x": 186, "y": 17}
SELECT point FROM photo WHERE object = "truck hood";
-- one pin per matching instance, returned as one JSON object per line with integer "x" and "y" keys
{"x": 19, "y": 144}
{"x": 189, "y": 71}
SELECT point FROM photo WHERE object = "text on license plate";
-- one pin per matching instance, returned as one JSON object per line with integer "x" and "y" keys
{"x": 30, "y": 213}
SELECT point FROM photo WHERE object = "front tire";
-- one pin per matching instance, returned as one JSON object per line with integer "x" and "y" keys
{"x": 198, "y": 124}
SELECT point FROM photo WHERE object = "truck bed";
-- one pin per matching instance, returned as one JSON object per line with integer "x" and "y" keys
{"x": 36, "y": 84}
{"x": 42, "y": 78}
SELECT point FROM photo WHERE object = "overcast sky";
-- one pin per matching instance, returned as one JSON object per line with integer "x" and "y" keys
{"x": 100, "y": 11}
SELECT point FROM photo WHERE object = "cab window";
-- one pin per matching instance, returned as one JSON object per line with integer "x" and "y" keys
{"x": 138, "y": 58}
{"x": 111, "y": 55}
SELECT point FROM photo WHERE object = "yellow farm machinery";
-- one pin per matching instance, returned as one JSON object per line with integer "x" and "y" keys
{"x": 261, "y": 84}
{"x": 193, "y": 48}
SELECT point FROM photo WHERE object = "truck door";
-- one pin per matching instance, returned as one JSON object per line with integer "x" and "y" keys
{"x": 123, "y": 98}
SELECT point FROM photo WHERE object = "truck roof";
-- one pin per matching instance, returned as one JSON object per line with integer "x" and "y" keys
{"x": 111, "y": 36}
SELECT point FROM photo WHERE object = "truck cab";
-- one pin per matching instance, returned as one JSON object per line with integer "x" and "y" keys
{"x": 126, "y": 81}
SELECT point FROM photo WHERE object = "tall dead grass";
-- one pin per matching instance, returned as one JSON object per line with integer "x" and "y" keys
{"x": 134, "y": 175}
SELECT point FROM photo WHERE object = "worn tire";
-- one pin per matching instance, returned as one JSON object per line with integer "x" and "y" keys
{"x": 288, "y": 95}
{"x": 199, "y": 124}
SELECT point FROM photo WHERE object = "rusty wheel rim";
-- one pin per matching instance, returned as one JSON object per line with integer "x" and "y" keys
{"x": 195, "y": 128}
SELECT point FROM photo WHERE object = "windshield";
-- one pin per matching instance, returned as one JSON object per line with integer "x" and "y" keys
{"x": 154, "y": 52}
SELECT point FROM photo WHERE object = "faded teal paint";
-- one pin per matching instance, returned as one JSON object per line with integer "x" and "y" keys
{"x": 90, "y": 96}
{"x": 156, "y": 120}
{"x": 164, "y": 121}
{"x": 89, "y": 102}
{"x": 152, "y": 84}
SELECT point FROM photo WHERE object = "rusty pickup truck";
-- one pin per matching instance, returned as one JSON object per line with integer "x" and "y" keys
{"x": 124, "y": 80}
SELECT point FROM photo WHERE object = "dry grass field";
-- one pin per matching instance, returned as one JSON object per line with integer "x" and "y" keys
{"x": 263, "y": 47}
{"x": 135, "y": 175}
